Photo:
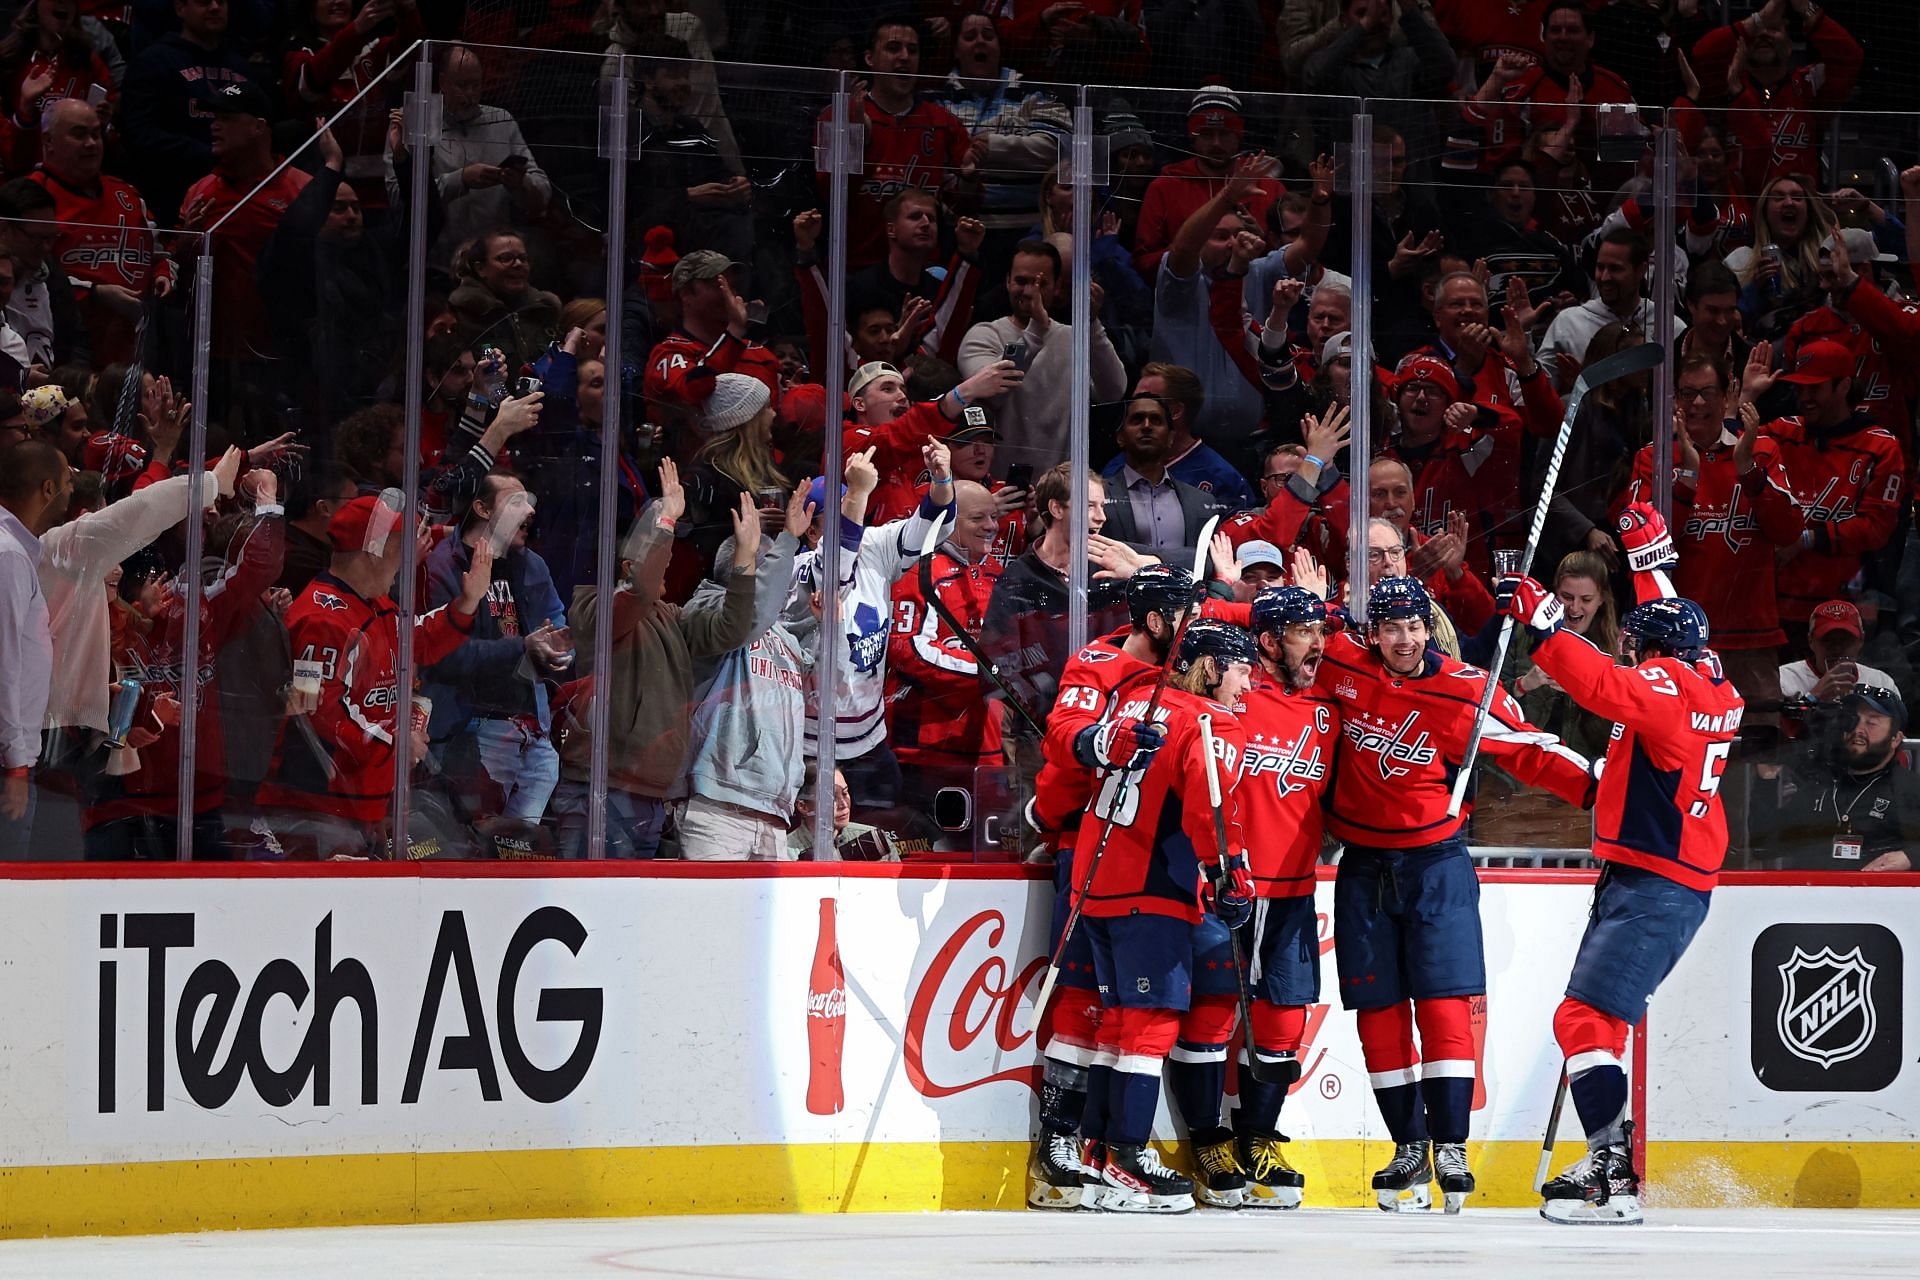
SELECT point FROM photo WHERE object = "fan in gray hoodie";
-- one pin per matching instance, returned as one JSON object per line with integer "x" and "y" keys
{"x": 744, "y": 759}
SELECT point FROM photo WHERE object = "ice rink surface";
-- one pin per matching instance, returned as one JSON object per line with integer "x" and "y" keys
{"x": 1487, "y": 1244}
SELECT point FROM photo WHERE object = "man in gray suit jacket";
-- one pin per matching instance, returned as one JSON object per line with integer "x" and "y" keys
{"x": 1147, "y": 508}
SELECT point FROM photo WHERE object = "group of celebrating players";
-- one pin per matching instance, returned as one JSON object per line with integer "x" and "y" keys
{"x": 1190, "y": 778}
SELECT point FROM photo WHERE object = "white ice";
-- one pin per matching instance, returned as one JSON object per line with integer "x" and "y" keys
{"x": 1487, "y": 1244}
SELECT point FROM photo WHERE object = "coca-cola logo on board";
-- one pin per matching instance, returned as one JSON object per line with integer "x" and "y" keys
{"x": 827, "y": 1004}
{"x": 971, "y": 991}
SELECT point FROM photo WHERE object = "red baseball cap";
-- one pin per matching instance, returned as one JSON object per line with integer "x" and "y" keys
{"x": 364, "y": 523}
{"x": 1835, "y": 615}
{"x": 1426, "y": 368}
{"x": 1819, "y": 362}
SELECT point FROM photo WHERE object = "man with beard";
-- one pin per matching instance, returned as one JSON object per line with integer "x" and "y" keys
{"x": 1619, "y": 275}
{"x": 1147, "y": 508}
{"x": 1292, "y": 735}
{"x": 1778, "y": 112}
{"x": 1858, "y": 808}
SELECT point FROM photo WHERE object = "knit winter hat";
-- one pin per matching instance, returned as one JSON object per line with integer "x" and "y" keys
{"x": 1215, "y": 106}
{"x": 1123, "y": 127}
{"x": 736, "y": 398}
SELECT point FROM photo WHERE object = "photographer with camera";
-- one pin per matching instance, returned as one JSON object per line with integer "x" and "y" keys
{"x": 1853, "y": 802}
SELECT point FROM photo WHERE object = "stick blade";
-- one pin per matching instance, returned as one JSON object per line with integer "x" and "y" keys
{"x": 1623, "y": 364}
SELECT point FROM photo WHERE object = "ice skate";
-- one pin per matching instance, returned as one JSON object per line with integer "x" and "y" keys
{"x": 1134, "y": 1180}
{"x": 1055, "y": 1176}
{"x": 1456, "y": 1179}
{"x": 1093, "y": 1160}
{"x": 1601, "y": 1189}
{"x": 1219, "y": 1179}
{"x": 1403, "y": 1186}
{"x": 1272, "y": 1183}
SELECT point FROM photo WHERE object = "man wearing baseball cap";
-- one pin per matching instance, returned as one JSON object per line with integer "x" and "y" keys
{"x": 973, "y": 442}
{"x": 1846, "y": 474}
{"x": 1214, "y": 129}
{"x": 242, "y": 146}
{"x": 1830, "y": 672}
{"x": 1855, "y": 805}
{"x": 710, "y": 340}
{"x": 884, "y": 418}
{"x": 331, "y": 782}
{"x": 1884, "y": 336}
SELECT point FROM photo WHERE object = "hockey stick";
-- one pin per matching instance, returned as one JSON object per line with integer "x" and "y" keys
{"x": 1553, "y": 1128}
{"x": 1620, "y": 364}
{"x": 1259, "y": 1070}
{"x": 928, "y": 545}
{"x": 1079, "y": 898}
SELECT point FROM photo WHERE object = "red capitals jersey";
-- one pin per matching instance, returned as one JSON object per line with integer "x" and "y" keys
{"x": 1847, "y": 485}
{"x": 1287, "y": 521}
{"x": 1537, "y": 100}
{"x": 1778, "y": 130}
{"x": 158, "y": 661}
{"x": 106, "y": 237}
{"x": 1404, "y": 740}
{"x": 1488, "y": 30}
{"x": 1092, "y": 686}
{"x": 1884, "y": 337}
{"x": 242, "y": 331}
{"x": 938, "y": 711}
{"x": 920, "y": 148}
{"x": 1474, "y": 472}
{"x": 681, "y": 368}
{"x": 1725, "y": 533}
{"x": 897, "y": 455}
{"x": 1163, "y": 830}
{"x": 353, "y": 645}
{"x": 1658, "y": 807}
{"x": 1285, "y": 771}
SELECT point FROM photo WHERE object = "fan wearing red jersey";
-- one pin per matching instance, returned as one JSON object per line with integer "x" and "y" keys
{"x": 1406, "y": 902}
{"x": 1661, "y": 830}
{"x": 332, "y": 778}
{"x": 1085, "y": 735}
{"x": 1292, "y": 733}
{"x": 1164, "y": 964}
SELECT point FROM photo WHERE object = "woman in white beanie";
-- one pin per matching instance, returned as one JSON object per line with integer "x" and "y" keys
{"x": 737, "y": 458}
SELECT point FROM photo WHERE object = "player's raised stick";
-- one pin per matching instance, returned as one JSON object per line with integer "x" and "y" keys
{"x": 1119, "y": 791}
{"x": 1621, "y": 364}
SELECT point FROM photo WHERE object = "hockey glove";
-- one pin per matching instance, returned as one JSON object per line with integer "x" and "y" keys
{"x": 1232, "y": 890}
{"x": 1537, "y": 608}
{"x": 1126, "y": 743}
{"x": 1644, "y": 535}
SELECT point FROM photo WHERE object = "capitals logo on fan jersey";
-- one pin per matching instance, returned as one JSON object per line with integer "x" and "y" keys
{"x": 1734, "y": 523}
{"x": 1395, "y": 745}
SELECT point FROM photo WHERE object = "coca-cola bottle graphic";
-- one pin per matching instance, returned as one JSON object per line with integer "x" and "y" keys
{"x": 826, "y": 1019}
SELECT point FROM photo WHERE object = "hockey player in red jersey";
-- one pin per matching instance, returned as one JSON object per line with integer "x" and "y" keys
{"x": 1660, "y": 830}
{"x": 1086, "y": 735}
{"x": 1168, "y": 984}
{"x": 1293, "y": 733}
{"x": 1406, "y": 903}
{"x": 332, "y": 776}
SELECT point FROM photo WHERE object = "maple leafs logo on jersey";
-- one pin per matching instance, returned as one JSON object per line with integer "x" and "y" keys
{"x": 867, "y": 640}
{"x": 1395, "y": 746}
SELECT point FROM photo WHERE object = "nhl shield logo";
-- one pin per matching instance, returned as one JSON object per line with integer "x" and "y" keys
{"x": 1826, "y": 1012}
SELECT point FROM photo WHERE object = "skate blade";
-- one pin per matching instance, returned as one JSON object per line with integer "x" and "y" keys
{"x": 1115, "y": 1200}
{"x": 1221, "y": 1199}
{"x": 1044, "y": 1195}
{"x": 1620, "y": 1211}
{"x": 1274, "y": 1197}
{"x": 1412, "y": 1200}
{"x": 1455, "y": 1201}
